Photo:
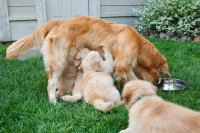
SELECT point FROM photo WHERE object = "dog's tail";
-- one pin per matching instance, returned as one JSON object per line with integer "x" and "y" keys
{"x": 102, "y": 105}
{"x": 31, "y": 45}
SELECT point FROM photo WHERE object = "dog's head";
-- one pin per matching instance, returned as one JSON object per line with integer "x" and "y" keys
{"x": 152, "y": 75}
{"x": 92, "y": 62}
{"x": 134, "y": 89}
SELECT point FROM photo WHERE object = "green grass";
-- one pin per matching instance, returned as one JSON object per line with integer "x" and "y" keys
{"x": 24, "y": 104}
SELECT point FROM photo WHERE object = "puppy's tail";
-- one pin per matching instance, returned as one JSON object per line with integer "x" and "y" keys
{"x": 102, "y": 105}
{"x": 31, "y": 45}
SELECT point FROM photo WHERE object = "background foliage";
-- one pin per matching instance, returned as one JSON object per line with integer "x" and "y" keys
{"x": 178, "y": 16}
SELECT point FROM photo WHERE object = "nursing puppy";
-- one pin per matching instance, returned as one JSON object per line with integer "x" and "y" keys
{"x": 67, "y": 79}
{"x": 77, "y": 92}
{"x": 98, "y": 84}
{"x": 149, "y": 113}
{"x": 133, "y": 54}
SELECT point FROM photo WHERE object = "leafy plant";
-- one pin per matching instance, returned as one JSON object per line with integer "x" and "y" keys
{"x": 179, "y": 16}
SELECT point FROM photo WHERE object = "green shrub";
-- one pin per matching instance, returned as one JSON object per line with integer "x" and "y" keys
{"x": 178, "y": 16}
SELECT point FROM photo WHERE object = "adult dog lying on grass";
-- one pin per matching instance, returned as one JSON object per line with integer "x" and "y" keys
{"x": 55, "y": 40}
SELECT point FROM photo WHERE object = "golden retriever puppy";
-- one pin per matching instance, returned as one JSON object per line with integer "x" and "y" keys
{"x": 98, "y": 84}
{"x": 77, "y": 92}
{"x": 133, "y": 54}
{"x": 148, "y": 113}
{"x": 68, "y": 77}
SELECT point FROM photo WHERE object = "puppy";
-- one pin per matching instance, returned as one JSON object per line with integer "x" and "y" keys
{"x": 133, "y": 54}
{"x": 98, "y": 84}
{"x": 149, "y": 113}
{"x": 68, "y": 77}
{"x": 77, "y": 92}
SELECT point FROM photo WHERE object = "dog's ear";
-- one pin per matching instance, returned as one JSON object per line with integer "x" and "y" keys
{"x": 164, "y": 69}
{"x": 120, "y": 73}
{"x": 97, "y": 67}
{"x": 127, "y": 98}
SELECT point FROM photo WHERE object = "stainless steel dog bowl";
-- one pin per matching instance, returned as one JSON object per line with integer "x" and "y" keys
{"x": 172, "y": 84}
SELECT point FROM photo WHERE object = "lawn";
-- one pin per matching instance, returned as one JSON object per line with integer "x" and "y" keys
{"x": 24, "y": 104}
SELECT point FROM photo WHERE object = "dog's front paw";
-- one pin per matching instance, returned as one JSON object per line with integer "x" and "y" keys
{"x": 52, "y": 100}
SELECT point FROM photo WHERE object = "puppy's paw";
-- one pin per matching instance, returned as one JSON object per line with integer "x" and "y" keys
{"x": 125, "y": 131}
{"x": 110, "y": 105}
{"x": 69, "y": 98}
{"x": 105, "y": 49}
{"x": 118, "y": 103}
{"x": 78, "y": 56}
{"x": 66, "y": 98}
{"x": 77, "y": 62}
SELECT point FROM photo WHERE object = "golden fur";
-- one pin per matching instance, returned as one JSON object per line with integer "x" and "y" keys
{"x": 151, "y": 114}
{"x": 95, "y": 83}
{"x": 98, "y": 84}
{"x": 77, "y": 92}
{"x": 131, "y": 51}
{"x": 68, "y": 77}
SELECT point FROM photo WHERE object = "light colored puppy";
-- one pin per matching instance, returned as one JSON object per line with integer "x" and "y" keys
{"x": 149, "y": 113}
{"x": 77, "y": 92}
{"x": 98, "y": 84}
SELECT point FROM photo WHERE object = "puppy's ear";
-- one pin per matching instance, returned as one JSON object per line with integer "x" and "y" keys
{"x": 97, "y": 67}
{"x": 127, "y": 98}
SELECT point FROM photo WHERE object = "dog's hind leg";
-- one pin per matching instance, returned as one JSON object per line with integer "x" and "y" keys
{"x": 52, "y": 85}
{"x": 55, "y": 57}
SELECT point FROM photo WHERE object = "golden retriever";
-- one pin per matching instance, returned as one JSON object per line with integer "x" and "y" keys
{"x": 54, "y": 39}
{"x": 148, "y": 113}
